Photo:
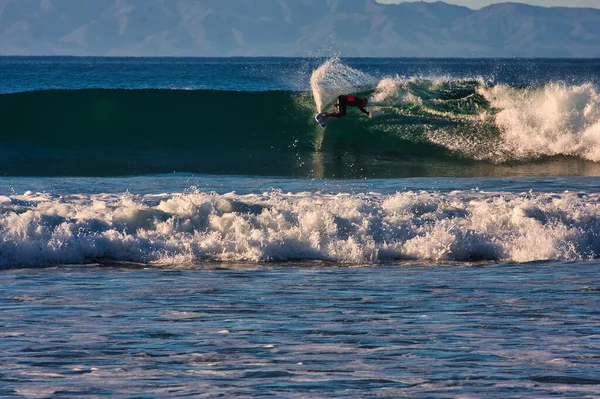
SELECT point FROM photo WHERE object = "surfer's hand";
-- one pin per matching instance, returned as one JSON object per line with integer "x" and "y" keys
{"x": 370, "y": 115}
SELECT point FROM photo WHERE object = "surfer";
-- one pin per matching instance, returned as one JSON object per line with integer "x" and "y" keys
{"x": 349, "y": 101}
{"x": 343, "y": 102}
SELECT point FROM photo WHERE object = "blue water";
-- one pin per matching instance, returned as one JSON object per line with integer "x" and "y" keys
{"x": 456, "y": 257}
{"x": 261, "y": 74}
{"x": 295, "y": 331}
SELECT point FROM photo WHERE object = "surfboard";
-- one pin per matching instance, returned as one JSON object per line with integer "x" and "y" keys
{"x": 321, "y": 119}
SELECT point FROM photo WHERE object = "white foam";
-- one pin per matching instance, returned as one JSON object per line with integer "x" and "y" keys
{"x": 525, "y": 124}
{"x": 38, "y": 229}
{"x": 555, "y": 119}
{"x": 397, "y": 89}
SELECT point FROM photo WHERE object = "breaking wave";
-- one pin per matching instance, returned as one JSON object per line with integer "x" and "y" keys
{"x": 421, "y": 120}
{"x": 370, "y": 228}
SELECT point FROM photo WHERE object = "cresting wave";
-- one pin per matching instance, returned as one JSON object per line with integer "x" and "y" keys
{"x": 194, "y": 227}
{"x": 421, "y": 120}
{"x": 107, "y": 132}
{"x": 475, "y": 118}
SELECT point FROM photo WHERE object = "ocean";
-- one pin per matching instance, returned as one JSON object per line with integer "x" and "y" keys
{"x": 182, "y": 227}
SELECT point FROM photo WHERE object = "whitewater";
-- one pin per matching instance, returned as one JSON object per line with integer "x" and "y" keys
{"x": 368, "y": 228}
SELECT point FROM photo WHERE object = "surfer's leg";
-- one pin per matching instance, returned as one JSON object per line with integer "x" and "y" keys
{"x": 341, "y": 106}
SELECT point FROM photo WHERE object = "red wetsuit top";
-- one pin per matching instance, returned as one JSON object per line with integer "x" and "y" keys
{"x": 353, "y": 101}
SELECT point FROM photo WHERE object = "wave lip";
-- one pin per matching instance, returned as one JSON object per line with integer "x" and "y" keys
{"x": 195, "y": 227}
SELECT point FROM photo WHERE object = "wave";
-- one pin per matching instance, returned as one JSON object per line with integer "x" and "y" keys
{"x": 421, "y": 126}
{"x": 119, "y": 132}
{"x": 112, "y": 132}
{"x": 475, "y": 118}
{"x": 370, "y": 228}
{"x": 152, "y": 117}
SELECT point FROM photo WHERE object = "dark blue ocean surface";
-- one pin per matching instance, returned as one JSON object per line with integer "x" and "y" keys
{"x": 184, "y": 228}
{"x": 262, "y": 74}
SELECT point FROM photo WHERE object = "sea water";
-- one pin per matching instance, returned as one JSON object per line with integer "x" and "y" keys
{"x": 182, "y": 227}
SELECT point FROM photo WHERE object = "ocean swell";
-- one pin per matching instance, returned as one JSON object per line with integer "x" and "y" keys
{"x": 421, "y": 126}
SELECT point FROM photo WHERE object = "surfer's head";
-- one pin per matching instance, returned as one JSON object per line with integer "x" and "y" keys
{"x": 364, "y": 101}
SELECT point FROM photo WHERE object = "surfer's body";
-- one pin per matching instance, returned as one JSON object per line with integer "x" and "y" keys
{"x": 342, "y": 104}
{"x": 349, "y": 101}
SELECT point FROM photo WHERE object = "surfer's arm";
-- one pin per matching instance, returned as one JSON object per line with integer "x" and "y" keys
{"x": 364, "y": 111}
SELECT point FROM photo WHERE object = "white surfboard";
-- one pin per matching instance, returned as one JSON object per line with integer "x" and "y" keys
{"x": 321, "y": 119}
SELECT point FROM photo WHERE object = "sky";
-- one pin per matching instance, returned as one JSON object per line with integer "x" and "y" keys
{"x": 475, "y": 4}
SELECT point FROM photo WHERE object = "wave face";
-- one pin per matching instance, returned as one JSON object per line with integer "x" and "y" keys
{"x": 194, "y": 227}
{"x": 97, "y": 132}
{"x": 422, "y": 126}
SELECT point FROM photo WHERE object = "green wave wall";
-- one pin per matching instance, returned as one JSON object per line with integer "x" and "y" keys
{"x": 119, "y": 132}
{"x": 108, "y": 132}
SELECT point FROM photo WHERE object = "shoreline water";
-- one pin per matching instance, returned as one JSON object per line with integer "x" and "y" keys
{"x": 500, "y": 331}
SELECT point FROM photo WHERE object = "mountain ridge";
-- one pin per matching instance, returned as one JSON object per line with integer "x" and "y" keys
{"x": 361, "y": 28}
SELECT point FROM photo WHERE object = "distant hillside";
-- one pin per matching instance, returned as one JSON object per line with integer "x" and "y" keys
{"x": 293, "y": 28}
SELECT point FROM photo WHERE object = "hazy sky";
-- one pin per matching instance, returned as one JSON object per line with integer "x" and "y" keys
{"x": 482, "y": 3}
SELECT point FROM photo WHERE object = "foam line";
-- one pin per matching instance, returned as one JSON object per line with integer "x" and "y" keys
{"x": 189, "y": 228}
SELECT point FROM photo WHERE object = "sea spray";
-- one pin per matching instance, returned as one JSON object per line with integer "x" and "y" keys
{"x": 334, "y": 78}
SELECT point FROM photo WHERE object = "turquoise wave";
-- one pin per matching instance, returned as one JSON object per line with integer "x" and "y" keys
{"x": 108, "y": 132}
